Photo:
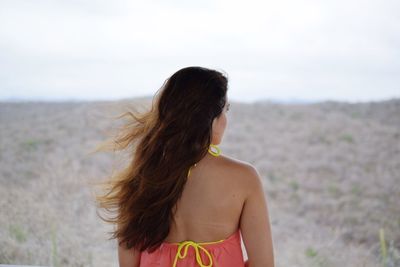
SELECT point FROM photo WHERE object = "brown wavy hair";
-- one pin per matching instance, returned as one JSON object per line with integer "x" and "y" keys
{"x": 163, "y": 143}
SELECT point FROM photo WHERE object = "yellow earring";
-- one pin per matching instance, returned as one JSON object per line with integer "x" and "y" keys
{"x": 214, "y": 153}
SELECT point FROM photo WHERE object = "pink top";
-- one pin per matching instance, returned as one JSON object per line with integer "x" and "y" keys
{"x": 223, "y": 253}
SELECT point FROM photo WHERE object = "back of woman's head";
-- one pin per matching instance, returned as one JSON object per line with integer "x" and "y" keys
{"x": 164, "y": 142}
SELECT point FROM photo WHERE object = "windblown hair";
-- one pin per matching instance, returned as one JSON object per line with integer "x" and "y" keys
{"x": 163, "y": 143}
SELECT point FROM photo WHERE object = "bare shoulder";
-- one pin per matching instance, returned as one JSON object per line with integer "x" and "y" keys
{"x": 245, "y": 172}
{"x": 234, "y": 164}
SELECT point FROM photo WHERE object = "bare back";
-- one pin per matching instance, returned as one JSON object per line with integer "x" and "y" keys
{"x": 221, "y": 195}
{"x": 211, "y": 202}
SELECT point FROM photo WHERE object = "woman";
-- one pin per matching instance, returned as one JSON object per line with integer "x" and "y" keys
{"x": 181, "y": 202}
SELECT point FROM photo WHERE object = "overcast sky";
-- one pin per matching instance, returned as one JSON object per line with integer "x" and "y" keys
{"x": 314, "y": 50}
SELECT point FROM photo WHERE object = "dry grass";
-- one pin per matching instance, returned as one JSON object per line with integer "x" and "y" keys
{"x": 331, "y": 175}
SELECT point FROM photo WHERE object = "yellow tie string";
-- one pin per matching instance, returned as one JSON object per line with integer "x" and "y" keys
{"x": 186, "y": 244}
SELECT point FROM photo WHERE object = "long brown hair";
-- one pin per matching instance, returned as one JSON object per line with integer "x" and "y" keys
{"x": 164, "y": 143}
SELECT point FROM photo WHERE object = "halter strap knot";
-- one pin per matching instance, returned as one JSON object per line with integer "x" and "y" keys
{"x": 185, "y": 245}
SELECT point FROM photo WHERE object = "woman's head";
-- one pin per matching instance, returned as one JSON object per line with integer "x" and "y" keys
{"x": 186, "y": 116}
{"x": 194, "y": 101}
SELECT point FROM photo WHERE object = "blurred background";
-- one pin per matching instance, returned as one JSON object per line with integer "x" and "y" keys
{"x": 315, "y": 106}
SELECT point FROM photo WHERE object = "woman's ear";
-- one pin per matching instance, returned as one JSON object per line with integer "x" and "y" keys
{"x": 216, "y": 131}
{"x": 213, "y": 130}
